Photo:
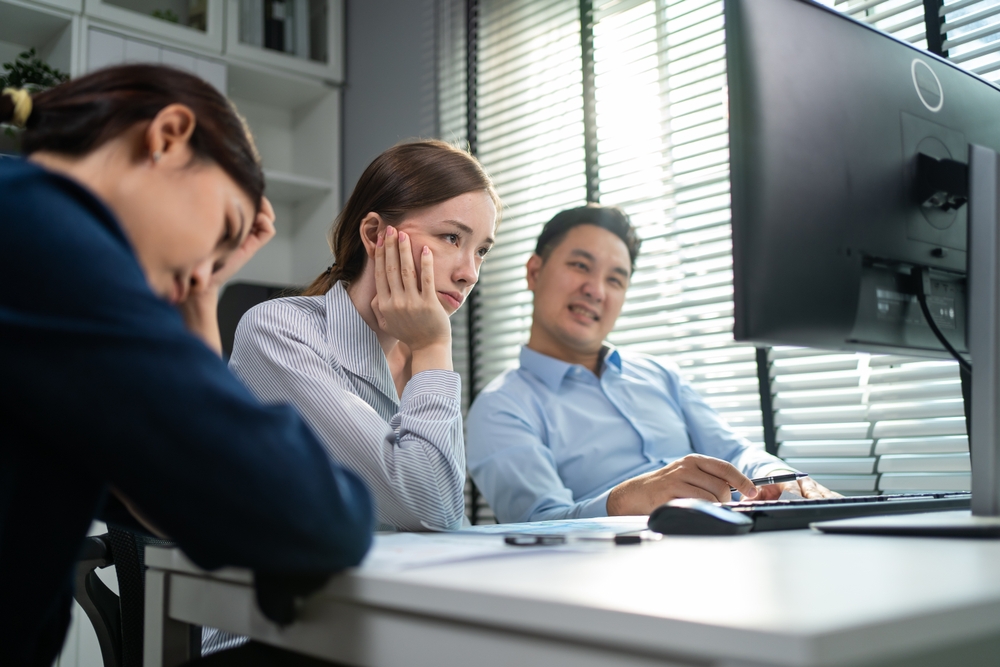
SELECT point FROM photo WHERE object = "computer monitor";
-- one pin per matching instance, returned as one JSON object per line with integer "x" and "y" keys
{"x": 863, "y": 170}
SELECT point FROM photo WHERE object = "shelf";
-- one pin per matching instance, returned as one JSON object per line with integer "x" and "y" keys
{"x": 49, "y": 31}
{"x": 140, "y": 19}
{"x": 285, "y": 188}
{"x": 31, "y": 26}
{"x": 75, "y": 6}
{"x": 264, "y": 85}
{"x": 328, "y": 68}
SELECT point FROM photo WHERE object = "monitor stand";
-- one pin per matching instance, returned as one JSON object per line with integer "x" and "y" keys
{"x": 984, "y": 348}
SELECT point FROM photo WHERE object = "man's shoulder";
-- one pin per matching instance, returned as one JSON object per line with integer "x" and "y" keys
{"x": 513, "y": 389}
{"x": 508, "y": 384}
{"x": 646, "y": 365}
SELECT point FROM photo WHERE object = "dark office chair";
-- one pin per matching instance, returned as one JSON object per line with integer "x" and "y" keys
{"x": 237, "y": 299}
{"x": 118, "y": 619}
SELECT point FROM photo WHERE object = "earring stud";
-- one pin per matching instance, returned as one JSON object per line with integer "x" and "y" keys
{"x": 156, "y": 156}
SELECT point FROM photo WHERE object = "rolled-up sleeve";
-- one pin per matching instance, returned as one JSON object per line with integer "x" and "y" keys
{"x": 712, "y": 436}
{"x": 414, "y": 465}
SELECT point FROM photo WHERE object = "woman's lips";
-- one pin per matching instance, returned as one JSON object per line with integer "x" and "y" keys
{"x": 452, "y": 299}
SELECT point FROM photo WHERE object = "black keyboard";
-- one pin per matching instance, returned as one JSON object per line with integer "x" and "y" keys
{"x": 800, "y": 512}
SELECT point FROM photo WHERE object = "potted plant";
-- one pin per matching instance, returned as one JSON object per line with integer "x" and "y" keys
{"x": 30, "y": 72}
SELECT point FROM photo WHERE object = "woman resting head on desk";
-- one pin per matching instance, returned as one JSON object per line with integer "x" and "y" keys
{"x": 140, "y": 195}
{"x": 365, "y": 354}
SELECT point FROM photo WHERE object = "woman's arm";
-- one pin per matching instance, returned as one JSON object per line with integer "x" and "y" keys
{"x": 415, "y": 466}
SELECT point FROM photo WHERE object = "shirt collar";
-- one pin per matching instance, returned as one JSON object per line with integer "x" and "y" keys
{"x": 552, "y": 371}
{"x": 354, "y": 343}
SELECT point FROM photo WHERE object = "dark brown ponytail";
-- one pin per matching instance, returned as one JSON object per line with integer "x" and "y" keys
{"x": 79, "y": 116}
{"x": 407, "y": 177}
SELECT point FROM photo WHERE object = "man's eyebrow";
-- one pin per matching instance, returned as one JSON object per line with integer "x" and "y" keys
{"x": 577, "y": 252}
{"x": 468, "y": 230}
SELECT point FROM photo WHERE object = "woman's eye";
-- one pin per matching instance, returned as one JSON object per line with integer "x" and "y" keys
{"x": 483, "y": 252}
{"x": 451, "y": 238}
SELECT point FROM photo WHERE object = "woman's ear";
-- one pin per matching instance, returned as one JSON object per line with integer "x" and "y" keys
{"x": 371, "y": 225}
{"x": 168, "y": 137}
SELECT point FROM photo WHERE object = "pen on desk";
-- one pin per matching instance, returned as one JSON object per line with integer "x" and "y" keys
{"x": 776, "y": 479}
{"x": 544, "y": 540}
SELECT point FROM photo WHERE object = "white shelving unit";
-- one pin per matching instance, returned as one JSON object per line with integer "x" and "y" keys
{"x": 291, "y": 104}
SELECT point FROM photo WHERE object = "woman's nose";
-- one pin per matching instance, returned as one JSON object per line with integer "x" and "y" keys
{"x": 467, "y": 270}
{"x": 201, "y": 276}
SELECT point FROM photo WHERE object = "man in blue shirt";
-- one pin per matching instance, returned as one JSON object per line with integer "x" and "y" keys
{"x": 582, "y": 429}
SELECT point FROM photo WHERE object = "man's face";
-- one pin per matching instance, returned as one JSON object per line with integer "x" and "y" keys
{"x": 579, "y": 291}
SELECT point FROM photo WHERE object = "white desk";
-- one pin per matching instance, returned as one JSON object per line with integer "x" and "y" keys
{"x": 786, "y": 598}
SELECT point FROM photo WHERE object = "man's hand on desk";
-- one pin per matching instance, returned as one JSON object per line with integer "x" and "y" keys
{"x": 806, "y": 487}
{"x": 693, "y": 476}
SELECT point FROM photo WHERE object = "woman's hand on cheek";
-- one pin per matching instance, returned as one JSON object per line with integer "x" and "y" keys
{"x": 261, "y": 232}
{"x": 200, "y": 308}
{"x": 409, "y": 310}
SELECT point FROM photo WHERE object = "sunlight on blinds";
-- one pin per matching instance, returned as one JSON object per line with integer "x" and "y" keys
{"x": 972, "y": 35}
{"x": 530, "y": 124}
{"x": 902, "y": 18}
{"x": 663, "y": 157}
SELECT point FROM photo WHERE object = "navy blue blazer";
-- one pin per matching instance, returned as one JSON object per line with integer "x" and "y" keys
{"x": 101, "y": 386}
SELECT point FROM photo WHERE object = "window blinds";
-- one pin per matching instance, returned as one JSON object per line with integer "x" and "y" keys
{"x": 971, "y": 29}
{"x": 860, "y": 422}
{"x": 663, "y": 157}
{"x": 530, "y": 130}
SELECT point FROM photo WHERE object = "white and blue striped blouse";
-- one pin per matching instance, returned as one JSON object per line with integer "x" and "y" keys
{"x": 319, "y": 355}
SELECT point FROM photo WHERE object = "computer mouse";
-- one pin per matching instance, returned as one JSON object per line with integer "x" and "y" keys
{"x": 692, "y": 516}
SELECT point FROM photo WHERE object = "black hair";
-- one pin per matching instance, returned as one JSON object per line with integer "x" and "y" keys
{"x": 81, "y": 115}
{"x": 610, "y": 218}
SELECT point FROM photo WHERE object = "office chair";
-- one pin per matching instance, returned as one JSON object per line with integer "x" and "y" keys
{"x": 118, "y": 620}
{"x": 237, "y": 299}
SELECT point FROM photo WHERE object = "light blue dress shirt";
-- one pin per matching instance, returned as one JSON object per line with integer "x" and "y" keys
{"x": 549, "y": 440}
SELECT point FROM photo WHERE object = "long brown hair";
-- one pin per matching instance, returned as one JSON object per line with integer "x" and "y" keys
{"x": 81, "y": 115}
{"x": 406, "y": 177}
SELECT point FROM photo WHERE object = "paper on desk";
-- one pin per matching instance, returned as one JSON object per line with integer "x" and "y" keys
{"x": 403, "y": 551}
{"x": 392, "y": 552}
{"x": 609, "y": 524}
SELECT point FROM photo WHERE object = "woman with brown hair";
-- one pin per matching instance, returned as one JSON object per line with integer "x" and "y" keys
{"x": 141, "y": 193}
{"x": 365, "y": 355}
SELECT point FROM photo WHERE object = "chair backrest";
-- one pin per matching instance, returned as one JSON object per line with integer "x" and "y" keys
{"x": 237, "y": 299}
{"x": 118, "y": 620}
{"x": 129, "y": 551}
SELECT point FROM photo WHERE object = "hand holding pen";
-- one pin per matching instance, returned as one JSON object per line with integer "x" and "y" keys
{"x": 800, "y": 483}
{"x": 776, "y": 479}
